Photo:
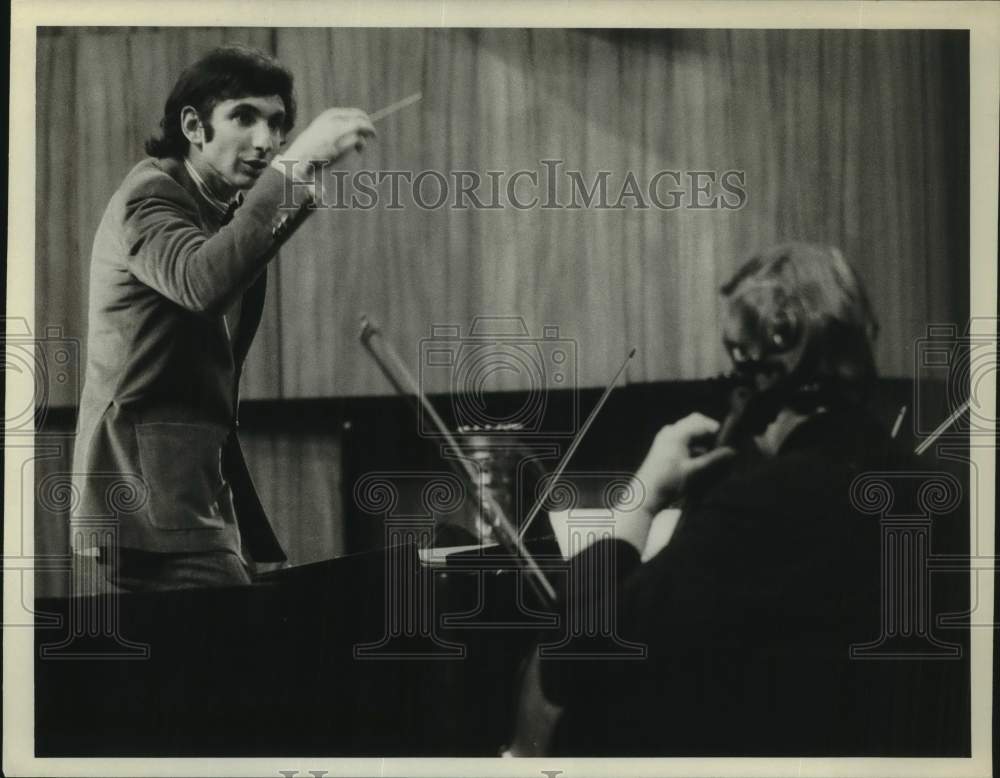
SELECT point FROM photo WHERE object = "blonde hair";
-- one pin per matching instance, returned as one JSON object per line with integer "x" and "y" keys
{"x": 809, "y": 292}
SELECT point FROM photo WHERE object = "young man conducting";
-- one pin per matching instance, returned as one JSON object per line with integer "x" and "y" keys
{"x": 177, "y": 283}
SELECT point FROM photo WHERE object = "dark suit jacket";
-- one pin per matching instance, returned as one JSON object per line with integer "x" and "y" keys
{"x": 747, "y": 617}
{"x": 156, "y": 447}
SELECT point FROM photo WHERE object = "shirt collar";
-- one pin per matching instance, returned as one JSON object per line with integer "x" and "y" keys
{"x": 221, "y": 206}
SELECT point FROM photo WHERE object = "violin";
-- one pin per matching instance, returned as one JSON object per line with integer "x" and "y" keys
{"x": 733, "y": 429}
{"x": 536, "y": 716}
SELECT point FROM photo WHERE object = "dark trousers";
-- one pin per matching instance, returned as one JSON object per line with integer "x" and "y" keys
{"x": 131, "y": 570}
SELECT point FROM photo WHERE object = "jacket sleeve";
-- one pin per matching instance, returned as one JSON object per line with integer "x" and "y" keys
{"x": 168, "y": 250}
{"x": 595, "y": 591}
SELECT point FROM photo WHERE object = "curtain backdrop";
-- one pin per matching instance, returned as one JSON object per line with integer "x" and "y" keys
{"x": 857, "y": 138}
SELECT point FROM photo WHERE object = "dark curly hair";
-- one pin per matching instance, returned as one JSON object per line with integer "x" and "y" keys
{"x": 226, "y": 73}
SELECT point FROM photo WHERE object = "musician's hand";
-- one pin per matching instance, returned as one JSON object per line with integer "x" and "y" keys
{"x": 329, "y": 137}
{"x": 675, "y": 457}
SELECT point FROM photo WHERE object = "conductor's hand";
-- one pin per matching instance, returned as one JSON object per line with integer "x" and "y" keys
{"x": 675, "y": 458}
{"x": 330, "y": 136}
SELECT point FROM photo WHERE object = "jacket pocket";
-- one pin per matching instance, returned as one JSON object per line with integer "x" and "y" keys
{"x": 182, "y": 465}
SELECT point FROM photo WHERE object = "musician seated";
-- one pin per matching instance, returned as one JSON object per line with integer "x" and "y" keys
{"x": 747, "y": 615}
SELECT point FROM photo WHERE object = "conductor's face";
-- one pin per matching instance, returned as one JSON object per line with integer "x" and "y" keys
{"x": 237, "y": 143}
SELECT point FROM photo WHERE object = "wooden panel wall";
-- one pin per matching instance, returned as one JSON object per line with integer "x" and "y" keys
{"x": 100, "y": 94}
{"x": 848, "y": 137}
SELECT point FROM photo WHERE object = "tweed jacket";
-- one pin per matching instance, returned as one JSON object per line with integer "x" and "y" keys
{"x": 156, "y": 457}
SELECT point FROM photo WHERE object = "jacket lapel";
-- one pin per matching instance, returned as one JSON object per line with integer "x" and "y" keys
{"x": 252, "y": 304}
{"x": 252, "y": 311}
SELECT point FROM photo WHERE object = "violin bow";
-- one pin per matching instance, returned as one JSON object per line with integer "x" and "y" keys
{"x": 537, "y": 507}
{"x": 402, "y": 380}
